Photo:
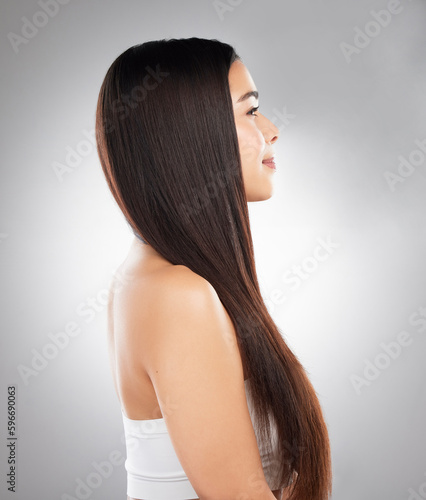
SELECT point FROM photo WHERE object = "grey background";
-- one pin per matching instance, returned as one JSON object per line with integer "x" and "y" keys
{"x": 348, "y": 121}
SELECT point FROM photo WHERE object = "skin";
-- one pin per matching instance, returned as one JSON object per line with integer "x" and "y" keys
{"x": 256, "y": 136}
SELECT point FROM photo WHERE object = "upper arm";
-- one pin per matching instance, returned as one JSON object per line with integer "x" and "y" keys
{"x": 195, "y": 367}
{"x": 110, "y": 337}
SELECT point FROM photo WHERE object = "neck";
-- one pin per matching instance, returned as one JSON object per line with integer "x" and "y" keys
{"x": 140, "y": 237}
{"x": 142, "y": 251}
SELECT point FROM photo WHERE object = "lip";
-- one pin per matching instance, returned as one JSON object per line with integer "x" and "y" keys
{"x": 269, "y": 162}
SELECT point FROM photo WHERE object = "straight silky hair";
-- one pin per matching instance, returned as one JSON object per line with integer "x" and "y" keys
{"x": 168, "y": 146}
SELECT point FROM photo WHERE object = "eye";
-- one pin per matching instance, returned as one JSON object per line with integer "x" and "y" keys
{"x": 252, "y": 111}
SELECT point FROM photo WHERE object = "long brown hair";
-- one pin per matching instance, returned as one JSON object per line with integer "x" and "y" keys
{"x": 168, "y": 146}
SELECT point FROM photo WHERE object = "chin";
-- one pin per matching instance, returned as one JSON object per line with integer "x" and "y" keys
{"x": 260, "y": 196}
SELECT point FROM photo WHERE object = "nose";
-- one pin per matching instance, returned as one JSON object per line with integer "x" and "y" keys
{"x": 270, "y": 131}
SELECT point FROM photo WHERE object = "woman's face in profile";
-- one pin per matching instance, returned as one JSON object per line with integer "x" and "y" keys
{"x": 256, "y": 135}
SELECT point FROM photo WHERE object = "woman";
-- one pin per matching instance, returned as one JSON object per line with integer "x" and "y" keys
{"x": 214, "y": 403}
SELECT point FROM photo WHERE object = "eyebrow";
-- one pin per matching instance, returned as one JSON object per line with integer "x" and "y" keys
{"x": 253, "y": 93}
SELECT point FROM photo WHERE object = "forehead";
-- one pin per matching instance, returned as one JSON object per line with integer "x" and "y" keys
{"x": 240, "y": 81}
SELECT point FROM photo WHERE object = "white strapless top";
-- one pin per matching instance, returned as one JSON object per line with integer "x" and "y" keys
{"x": 153, "y": 469}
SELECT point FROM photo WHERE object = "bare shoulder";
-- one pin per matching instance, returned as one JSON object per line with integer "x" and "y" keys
{"x": 159, "y": 306}
{"x": 181, "y": 278}
{"x": 180, "y": 285}
{"x": 180, "y": 303}
{"x": 163, "y": 280}
{"x": 161, "y": 289}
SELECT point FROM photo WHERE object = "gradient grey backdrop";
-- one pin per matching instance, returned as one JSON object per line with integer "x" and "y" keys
{"x": 347, "y": 124}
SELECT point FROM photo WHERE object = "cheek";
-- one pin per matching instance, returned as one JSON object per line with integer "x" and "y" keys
{"x": 251, "y": 142}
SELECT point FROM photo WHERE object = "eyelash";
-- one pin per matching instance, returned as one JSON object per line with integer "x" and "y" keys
{"x": 251, "y": 110}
